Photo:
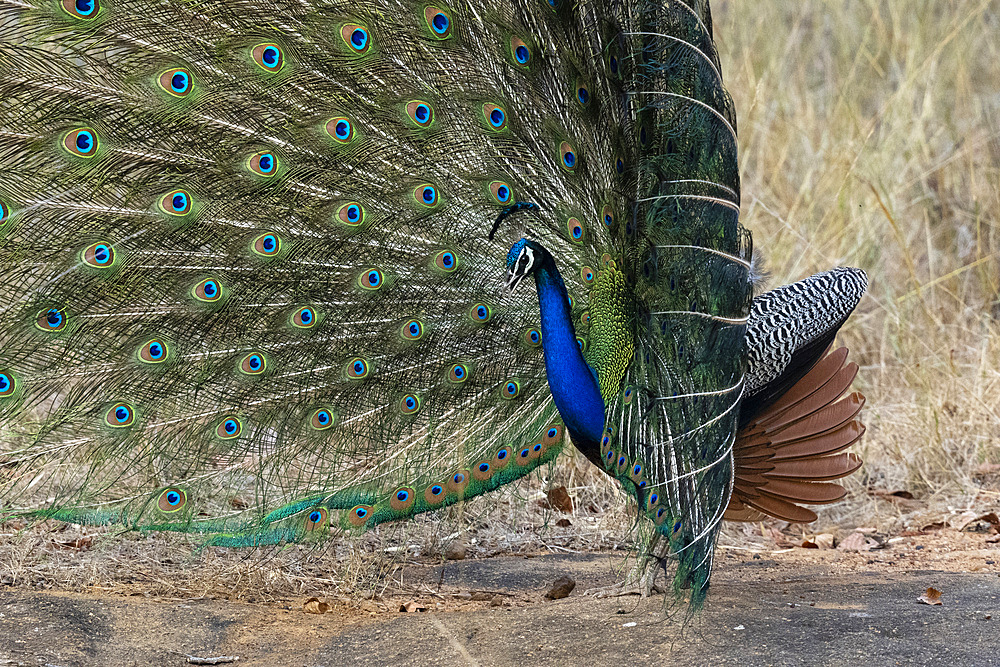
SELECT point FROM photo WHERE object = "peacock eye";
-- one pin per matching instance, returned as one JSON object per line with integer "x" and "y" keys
{"x": 207, "y": 290}
{"x": 153, "y": 352}
{"x": 264, "y": 164}
{"x": 357, "y": 368}
{"x": 52, "y": 319}
{"x": 229, "y": 428}
{"x": 120, "y": 415}
{"x": 98, "y": 255}
{"x": 268, "y": 57}
{"x": 176, "y": 82}
{"x": 81, "y": 9}
{"x": 175, "y": 203}
{"x": 321, "y": 419}
{"x": 356, "y": 37}
{"x": 438, "y": 21}
{"x": 316, "y": 519}
{"x": 253, "y": 364}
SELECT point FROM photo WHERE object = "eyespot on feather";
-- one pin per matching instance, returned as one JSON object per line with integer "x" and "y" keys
{"x": 176, "y": 82}
{"x": 8, "y": 384}
{"x": 446, "y": 260}
{"x": 267, "y": 244}
{"x": 85, "y": 10}
{"x": 419, "y": 112}
{"x": 304, "y": 318}
{"x": 523, "y": 456}
{"x": 510, "y": 389}
{"x": 533, "y": 337}
{"x": 322, "y": 419}
{"x": 607, "y": 216}
{"x": 317, "y": 519}
{"x": 409, "y": 404}
{"x": 51, "y": 320}
{"x": 553, "y": 435}
{"x": 482, "y": 471}
{"x": 175, "y": 202}
{"x": 229, "y": 428}
{"x": 458, "y": 481}
{"x": 537, "y": 448}
{"x": 81, "y": 142}
{"x": 503, "y": 457}
{"x": 496, "y": 117}
{"x": 501, "y": 192}
{"x": 268, "y": 56}
{"x": 264, "y": 163}
{"x": 359, "y": 515}
{"x": 340, "y": 129}
{"x": 4, "y": 212}
{"x": 120, "y": 415}
{"x": 575, "y": 230}
{"x": 351, "y": 213}
{"x": 153, "y": 352}
{"x": 568, "y": 157}
{"x": 426, "y": 195}
{"x": 622, "y": 464}
{"x": 371, "y": 279}
{"x": 458, "y": 373}
{"x": 587, "y": 275}
{"x": 356, "y": 37}
{"x": 253, "y": 364}
{"x": 652, "y": 501}
{"x": 585, "y": 318}
{"x": 402, "y": 499}
{"x": 582, "y": 94}
{"x": 208, "y": 290}
{"x": 357, "y": 368}
{"x": 434, "y": 494}
{"x": 520, "y": 52}
{"x": 98, "y": 255}
{"x": 412, "y": 330}
{"x": 172, "y": 499}
{"x": 481, "y": 313}
{"x": 438, "y": 21}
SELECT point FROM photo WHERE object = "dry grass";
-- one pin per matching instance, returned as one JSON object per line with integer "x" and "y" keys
{"x": 870, "y": 136}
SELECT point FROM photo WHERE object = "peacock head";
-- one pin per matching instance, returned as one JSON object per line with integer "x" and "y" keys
{"x": 524, "y": 258}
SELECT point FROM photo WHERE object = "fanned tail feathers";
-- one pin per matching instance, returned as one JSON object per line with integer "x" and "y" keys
{"x": 788, "y": 454}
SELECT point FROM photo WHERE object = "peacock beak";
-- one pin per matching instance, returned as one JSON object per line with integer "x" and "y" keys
{"x": 513, "y": 280}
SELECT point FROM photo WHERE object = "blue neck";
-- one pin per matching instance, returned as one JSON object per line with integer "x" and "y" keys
{"x": 572, "y": 382}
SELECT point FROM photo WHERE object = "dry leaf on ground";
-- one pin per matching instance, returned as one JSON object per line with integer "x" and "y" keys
{"x": 931, "y": 596}
{"x": 557, "y": 498}
{"x": 858, "y": 541}
{"x": 821, "y": 541}
{"x": 315, "y": 606}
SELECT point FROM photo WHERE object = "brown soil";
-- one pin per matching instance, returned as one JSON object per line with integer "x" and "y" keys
{"x": 778, "y": 605}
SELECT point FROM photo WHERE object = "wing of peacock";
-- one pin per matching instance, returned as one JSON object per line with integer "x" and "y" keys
{"x": 246, "y": 284}
{"x": 672, "y": 415}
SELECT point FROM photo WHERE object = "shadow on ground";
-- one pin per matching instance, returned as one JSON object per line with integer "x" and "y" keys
{"x": 758, "y": 614}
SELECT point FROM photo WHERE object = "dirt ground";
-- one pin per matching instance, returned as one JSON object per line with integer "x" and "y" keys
{"x": 784, "y": 605}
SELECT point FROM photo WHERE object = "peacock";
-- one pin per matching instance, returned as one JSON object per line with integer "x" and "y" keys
{"x": 262, "y": 269}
